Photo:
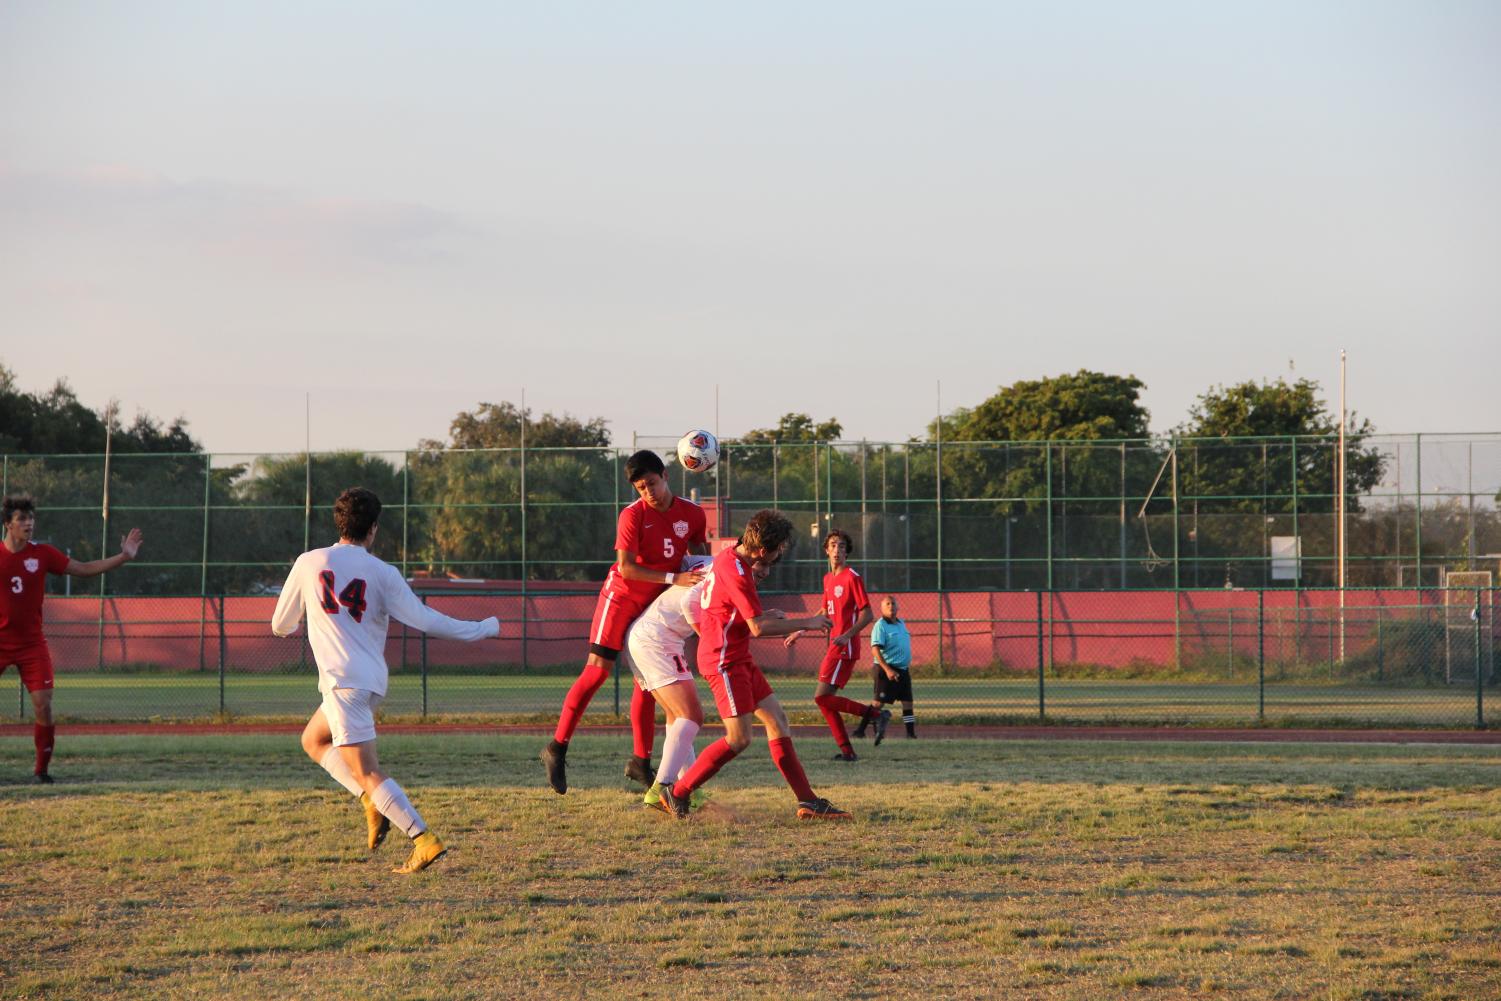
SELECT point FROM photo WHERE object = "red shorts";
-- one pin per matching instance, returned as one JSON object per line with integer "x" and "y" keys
{"x": 738, "y": 688}
{"x": 35, "y": 662}
{"x": 838, "y": 664}
{"x": 616, "y": 609}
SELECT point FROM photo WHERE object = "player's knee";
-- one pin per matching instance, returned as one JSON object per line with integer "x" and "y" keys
{"x": 737, "y": 740}
{"x": 823, "y": 699}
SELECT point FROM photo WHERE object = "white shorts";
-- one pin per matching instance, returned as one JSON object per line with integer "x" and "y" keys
{"x": 656, "y": 661}
{"x": 351, "y": 714}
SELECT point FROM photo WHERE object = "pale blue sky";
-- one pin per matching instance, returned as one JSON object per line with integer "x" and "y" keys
{"x": 212, "y": 209}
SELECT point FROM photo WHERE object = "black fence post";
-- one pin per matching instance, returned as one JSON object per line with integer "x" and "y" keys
{"x": 617, "y": 686}
{"x": 1042, "y": 714}
{"x": 1261, "y": 656}
{"x": 424, "y": 668}
{"x": 223, "y": 650}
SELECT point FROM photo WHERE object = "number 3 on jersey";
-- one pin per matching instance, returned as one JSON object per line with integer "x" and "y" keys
{"x": 708, "y": 591}
{"x": 352, "y": 597}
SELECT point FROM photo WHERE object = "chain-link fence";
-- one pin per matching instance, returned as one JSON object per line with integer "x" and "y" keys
{"x": 1061, "y": 551}
{"x": 1382, "y": 657}
{"x": 1090, "y": 515}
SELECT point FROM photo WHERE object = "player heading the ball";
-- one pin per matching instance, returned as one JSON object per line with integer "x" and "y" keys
{"x": 350, "y": 597}
{"x": 652, "y": 535}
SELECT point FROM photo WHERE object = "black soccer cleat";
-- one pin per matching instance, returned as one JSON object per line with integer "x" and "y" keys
{"x": 881, "y": 722}
{"x": 42, "y": 779}
{"x": 639, "y": 769}
{"x": 555, "y": 757}
{"x": 676, "y": 806}
{"x": 821, "y": 809}
{"x": 846, "y": 756}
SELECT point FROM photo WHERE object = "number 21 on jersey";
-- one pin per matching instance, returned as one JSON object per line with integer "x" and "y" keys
{"x": 352, "y": 597}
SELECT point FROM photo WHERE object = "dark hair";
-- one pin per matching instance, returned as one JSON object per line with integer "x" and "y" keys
{"x": 356, "y": 512}
{"x": 839, "y": 533}
{"x": 21, "y": 502}
{"x": 767, "y": 530}
{"x": 642, "y": 463}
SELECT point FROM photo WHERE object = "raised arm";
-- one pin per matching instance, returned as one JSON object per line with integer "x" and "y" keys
{"x": 406, "y": 607}
{"x": 130, "y": 545}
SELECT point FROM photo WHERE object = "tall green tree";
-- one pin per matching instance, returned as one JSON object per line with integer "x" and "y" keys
{"x": 468, "y": 491}
{"x": 1254, "y": 454}
{"x": 1281, "y": 409}
{"x": 54, "y": 445}
{"x": 1059, "y": 438}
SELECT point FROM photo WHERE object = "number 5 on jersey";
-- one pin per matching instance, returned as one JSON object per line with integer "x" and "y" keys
{"x": 352, "y": 597}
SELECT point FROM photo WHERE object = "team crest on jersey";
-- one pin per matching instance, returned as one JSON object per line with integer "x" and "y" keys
{"x": 839, "y": 590}
{"x": 680, "y": 529}
{"x": 32, "y": 564}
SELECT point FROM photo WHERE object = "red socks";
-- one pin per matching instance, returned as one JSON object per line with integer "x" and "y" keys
{"x": 834, "y": 707}
{"x": 715, "y": 757}
{"x": 835, "y": 720}
{"x": 643, "y": 721}
{"x": 590, "y": 680}
{"x": 42, "y": 737}
{"x": 840, "y": 704}
{"x": 791, "y": 768}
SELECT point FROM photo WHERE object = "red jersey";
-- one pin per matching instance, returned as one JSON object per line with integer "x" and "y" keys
{"x": 729, "y": 600}
{"x": 23, "y": 582}
{"x": 660, "y": 541}
{"x": 843, "y": 597}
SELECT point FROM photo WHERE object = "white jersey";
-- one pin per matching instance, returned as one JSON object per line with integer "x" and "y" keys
{"x": 671, "y": 618}
{"x": 350, "y": 597}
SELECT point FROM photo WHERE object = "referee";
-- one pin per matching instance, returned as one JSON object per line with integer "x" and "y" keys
{"x": 892, "y": 646}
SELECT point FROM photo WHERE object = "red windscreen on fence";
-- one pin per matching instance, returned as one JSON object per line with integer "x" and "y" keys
{"x": 979, "y": 630}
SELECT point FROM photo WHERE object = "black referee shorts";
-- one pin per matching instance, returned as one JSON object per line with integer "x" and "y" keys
{"x": 888, "y": 691}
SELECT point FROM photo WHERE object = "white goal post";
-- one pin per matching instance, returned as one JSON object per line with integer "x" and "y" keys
{"x": 1467, "y": 602}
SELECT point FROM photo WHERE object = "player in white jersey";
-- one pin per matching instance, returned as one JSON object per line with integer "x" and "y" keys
{"x": 350, "y": 596}
{"x": 657, "y": 643}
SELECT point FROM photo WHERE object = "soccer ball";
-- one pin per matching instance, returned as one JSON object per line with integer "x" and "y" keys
{"x": 698, "y": 451}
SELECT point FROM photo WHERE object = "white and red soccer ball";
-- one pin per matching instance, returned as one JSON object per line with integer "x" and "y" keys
{"x": 698, "y": 451}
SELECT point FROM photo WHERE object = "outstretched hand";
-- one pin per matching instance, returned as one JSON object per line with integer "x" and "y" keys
{"x": 130, "y": 543}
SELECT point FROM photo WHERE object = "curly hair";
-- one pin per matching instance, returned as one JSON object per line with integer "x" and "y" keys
{"x": 355, "y": 513}
{"x": 767, "y": 530}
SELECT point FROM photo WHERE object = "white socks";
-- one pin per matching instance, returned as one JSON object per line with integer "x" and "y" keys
{"x": 677, "y": 750}
{"x": 391, "y": 800}
{"x": 333, "y": 763}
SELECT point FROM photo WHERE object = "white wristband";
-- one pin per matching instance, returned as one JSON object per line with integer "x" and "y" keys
{"x": 669, "y": 576}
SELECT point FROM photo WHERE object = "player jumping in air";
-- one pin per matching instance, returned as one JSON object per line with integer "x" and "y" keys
{"x": 846, "y": 605}
{"x": 24, "y": 566}
{"x": 732, "y": 614}
{"x": 350, "y": 596}
{"x": 652, "y": 536}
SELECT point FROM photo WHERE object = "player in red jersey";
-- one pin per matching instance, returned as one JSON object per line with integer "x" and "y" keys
{"x": 24, "y": 566}
{"x": 732, "y": 614}
{"x": 846, "y": 605}
{"x": 652, "y": 536}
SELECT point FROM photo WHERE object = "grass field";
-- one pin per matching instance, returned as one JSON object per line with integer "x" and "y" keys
{"x": 230, "y": 867}
{"x": 519, "y": 698}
